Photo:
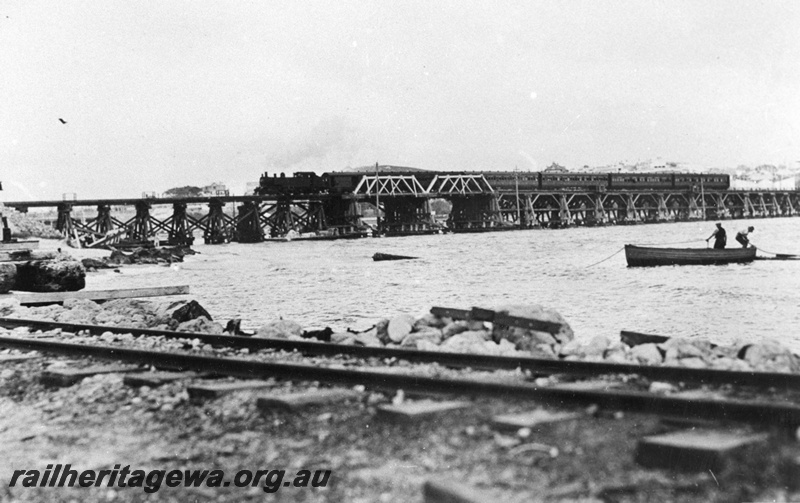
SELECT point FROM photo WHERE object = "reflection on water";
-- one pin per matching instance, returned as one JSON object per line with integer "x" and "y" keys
{"x": 336, "y": 283}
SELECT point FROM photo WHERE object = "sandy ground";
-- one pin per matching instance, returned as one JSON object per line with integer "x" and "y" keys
{"x": 100, "y": 422}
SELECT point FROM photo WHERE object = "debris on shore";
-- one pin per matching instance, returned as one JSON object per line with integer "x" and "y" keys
{"x": 162, "y": 255}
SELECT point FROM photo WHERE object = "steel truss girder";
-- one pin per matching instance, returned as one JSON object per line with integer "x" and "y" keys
{"x": 459, "y": 184}
{"x": 389, "y": 185}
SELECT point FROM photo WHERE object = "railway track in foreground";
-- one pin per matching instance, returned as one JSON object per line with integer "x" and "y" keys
{"x": 777, "y": 412}
{"x": 536, "y": 366}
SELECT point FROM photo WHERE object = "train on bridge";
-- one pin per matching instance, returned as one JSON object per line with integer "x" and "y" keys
{"x": 398, "y": 201}
{"x": 309, "y": 183}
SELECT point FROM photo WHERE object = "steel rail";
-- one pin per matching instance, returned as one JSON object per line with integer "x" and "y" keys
{"x": 785, "y": 414}
{"x": 539, "y": 366}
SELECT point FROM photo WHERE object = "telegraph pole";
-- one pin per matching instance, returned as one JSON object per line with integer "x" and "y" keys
{"x": 377, "y": 200}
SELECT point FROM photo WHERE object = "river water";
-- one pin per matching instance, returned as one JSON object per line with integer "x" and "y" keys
{"x": 336, "y": 283}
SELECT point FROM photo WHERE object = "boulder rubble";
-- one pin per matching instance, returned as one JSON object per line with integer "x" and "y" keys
{"x": 61, "y": 274}
{"x": 434, "y": 333}
{"x": 162, "y": 255}
{"x": 181, "y": 315}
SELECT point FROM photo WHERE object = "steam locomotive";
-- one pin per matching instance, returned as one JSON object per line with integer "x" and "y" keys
{"x": 309, "y": 183}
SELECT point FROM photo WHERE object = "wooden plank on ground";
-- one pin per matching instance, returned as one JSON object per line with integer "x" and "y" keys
{"x": 216, "y": 390}
{"x": 295, "y": 401}
{"x": 155, "y": 379}
{"x": 29, "y": 298}
{"x": 64, "y": 377}
{"x": 533, "y": 419}
{"x": 17, "y": 358}
{"x": 694, "y": 450}
{"x": 408, "y": 412}
{"x": 449, "y": 491}
{"x": 19, "y": 244}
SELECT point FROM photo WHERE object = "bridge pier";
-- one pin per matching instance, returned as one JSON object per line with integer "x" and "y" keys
{"x": 64, "y": 220}
{"x": 404, "y": 216}
{"x": 140, "y": 230}
{"x": 103, "y": 224}
{"x": 217, "y": 229}
{"x": 517, "y": 210}
{"x": 312, "y": 216}
{"x": 180, "y": 231}
{"x": 630, "y": 210}
{"x": 472, "y": 213}
{"x": 282, "y": 219}
{"x": 248, "y": 223}
{"x": 787, "y": 201}
{"x": 598, "y": 214}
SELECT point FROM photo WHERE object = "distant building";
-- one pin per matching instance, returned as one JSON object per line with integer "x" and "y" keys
{"x": 216, "y": 189}
{"x": 556, "y": 168}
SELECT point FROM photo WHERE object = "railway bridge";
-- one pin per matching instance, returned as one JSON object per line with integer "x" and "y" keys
{"x": 402, "y": 203}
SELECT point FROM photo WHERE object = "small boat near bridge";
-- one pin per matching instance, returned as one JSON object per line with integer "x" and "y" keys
{"x": 641, "y": 256}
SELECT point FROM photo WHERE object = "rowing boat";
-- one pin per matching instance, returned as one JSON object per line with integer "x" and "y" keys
{"x": 640, "y": 256}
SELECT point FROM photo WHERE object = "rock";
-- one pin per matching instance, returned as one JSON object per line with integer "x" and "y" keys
{"x": 382, "y": 330}
{"x": 189, "y": 311}
{"x": 429, "y": 320}
{"x": 368, "y": 338}
{"x": 399, "y": 327}
{"x": 281, "y": 329}
{"x": 771, "y": 356}
{"x": 119, "y": 257}
{"x": 95, "y": 264}
{"x": 9, "y": 306}
{"x": 597, "y": 346}
{"x": 341, "y": 337}
{"x": 8, "y": 277}
{"x": 571, "y": 348}
{"x": 430, "y": 334}
{"x": 201, "y": 325}
{"x": 453, "y": 328}
{"x": 525, "y": 339}
{"x": 692, "y": 362}
{"x": 617, "y": 353}
{"x": 82, "y": 304}
{"x": 726, "y": 363}
{"x": 323, "y": 335}
{"x": 661, "y": 387}
{"x": 647, "y": 354}
{"x": 677, "y": 348}
{"x": 234, "y": 327}
{"x": 62, "y": 275}
{"x": 466, "y": 342}
{"x": 549, "y": 351}
{"x": 426, "y": 345}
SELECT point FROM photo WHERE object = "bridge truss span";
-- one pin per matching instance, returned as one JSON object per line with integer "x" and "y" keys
{"x": 400, "y": 204}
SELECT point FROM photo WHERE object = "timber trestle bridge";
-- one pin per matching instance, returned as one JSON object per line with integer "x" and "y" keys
{"x": 333, "y": 206}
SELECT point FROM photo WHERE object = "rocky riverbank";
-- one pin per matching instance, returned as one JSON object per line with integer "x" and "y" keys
{"x": 433, "y": 333}
{"x": 101, "y": 421}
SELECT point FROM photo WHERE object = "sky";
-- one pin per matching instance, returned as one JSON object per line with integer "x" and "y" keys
{"x": 164, "y": 94}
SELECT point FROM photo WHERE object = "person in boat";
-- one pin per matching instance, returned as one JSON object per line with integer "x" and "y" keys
{"x": 720, "y": 237}
{"x": 742, "y": 238}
